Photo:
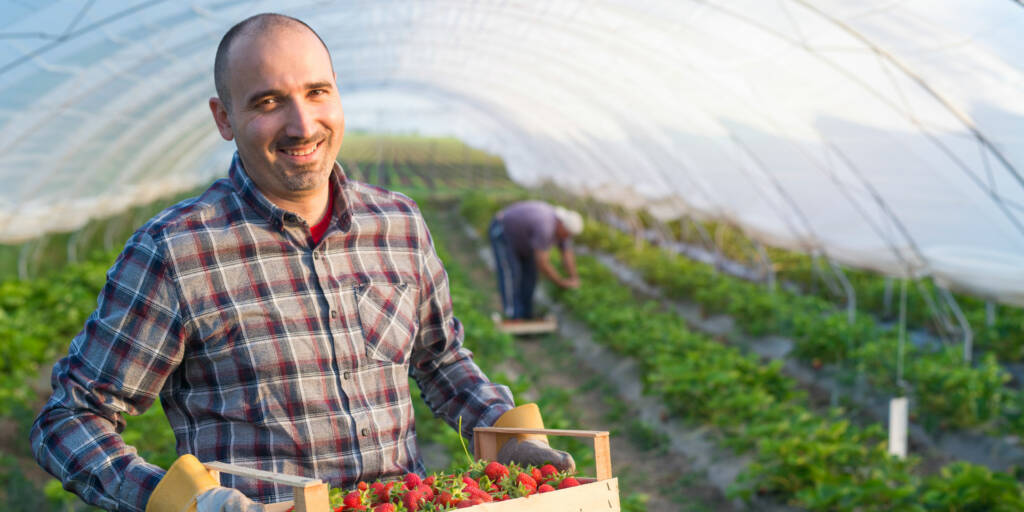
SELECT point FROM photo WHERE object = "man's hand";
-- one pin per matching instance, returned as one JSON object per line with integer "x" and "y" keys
{"x": 533, "y": 452}
{"x": 224, "y": 499}
{"x": 571, "y": 283}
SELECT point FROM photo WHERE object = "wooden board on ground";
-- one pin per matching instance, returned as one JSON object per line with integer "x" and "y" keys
{"x": 534, "y": 326}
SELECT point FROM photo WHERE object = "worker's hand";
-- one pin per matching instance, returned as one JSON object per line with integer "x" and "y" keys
{"x": 534, "y": 452}
{"x": 224, "y": 499}
{"x": 572, "y": 283}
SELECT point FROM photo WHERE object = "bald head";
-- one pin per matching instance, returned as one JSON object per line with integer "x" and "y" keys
{"x": 253, "y": 26}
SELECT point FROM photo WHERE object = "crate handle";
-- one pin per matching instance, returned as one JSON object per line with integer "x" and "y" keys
{"x": 311, "y": 494}
{"x": 485, "y": 444}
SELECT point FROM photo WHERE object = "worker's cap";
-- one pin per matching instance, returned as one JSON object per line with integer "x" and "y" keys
{"x": 572, "y": 221}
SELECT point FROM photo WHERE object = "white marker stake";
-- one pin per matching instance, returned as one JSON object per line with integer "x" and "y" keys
{"x": 898, "y": 427}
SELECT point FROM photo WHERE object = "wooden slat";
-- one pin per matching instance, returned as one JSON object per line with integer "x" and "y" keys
{"x": 544, "y": 431}
{"x": 600, "y": 496}
{"x": 485, "y": 444}
{"x": 290, "y": 480}
{"x": 312, "y": 499}
{"x": 602, "y": 457}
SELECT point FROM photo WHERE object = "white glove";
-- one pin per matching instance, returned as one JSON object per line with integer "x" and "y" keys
{"x": 224, "y": 499}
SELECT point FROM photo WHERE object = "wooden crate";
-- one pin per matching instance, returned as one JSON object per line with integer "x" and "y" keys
{"x": 601, "y": 495}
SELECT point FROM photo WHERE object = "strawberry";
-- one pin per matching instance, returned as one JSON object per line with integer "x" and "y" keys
{"x": 568, "y": 482}
{"x": 384, "y": 507}
{"x": 545, "y": 488}
{"x": 547, "y": 471}
{"x": 536, "y": 474}
{"x": 426, "y": 491}
{"x": 429, "y": 480}
{"x": 496, "y": 471}
{"x": 470, "y": 482}
{"x": 527, "y": 481}
{"x": 353, "y": 499}
{"x": 412, "y": 481}
{"x": 339, "y": 508}
{"x": 382, "y": 491}
{"x": 445, "y": 498}
{"x": 412, "y": 500}
{"x": 469, "y": 503}
{"x": 477, "y": 493}
{"x": 363, "y": 486}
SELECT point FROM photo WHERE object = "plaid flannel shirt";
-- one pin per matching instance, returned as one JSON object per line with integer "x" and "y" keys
{"x": 264, "y": 350}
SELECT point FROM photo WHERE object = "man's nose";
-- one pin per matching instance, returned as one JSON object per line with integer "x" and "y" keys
{"x": 301, "y": 123}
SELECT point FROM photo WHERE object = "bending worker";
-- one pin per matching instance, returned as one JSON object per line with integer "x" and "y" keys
{"x": 278, "y": 316}
{"x": 521, "y": 236}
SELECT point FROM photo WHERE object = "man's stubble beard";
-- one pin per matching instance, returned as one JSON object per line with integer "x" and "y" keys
{"x": 303, "y": 179}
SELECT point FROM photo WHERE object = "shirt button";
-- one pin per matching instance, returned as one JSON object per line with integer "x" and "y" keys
{"x": 334, "y": 313}
{"x": 346, "y": 375}
{"x": 316, "y": 255}
{"x": 365, "y": 431}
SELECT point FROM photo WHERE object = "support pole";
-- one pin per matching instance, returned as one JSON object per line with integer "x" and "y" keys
{"x": 898, "y": 407}
{"x": 887, "y": 296}
{"x": 898, "y": 427}
{"x": 766, "y": 264}
{"x": 965, "y": 326}
{"x": 23, "y": 256}
{"x": 825, "y": 277}
{"x": 945, "y": 326}
{"x": 851, "y": 294}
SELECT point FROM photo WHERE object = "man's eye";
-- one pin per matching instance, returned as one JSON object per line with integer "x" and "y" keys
{"x": 266, "y": 102}
{"x": 318, "y": 92}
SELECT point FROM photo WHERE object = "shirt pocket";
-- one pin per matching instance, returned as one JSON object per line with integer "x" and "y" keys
{"x": 388, "y": 319}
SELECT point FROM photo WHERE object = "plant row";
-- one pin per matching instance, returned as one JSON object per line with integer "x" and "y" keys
{"x": 814, "y": 461}
{"x": 413, "y": 163}
{"x": 949, "y": 392}
{"x": 875, "y": 294}
{"x": 38, "y": 318}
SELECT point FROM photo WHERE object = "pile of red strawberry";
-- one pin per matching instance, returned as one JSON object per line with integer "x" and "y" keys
{"x": 483, "y": 482}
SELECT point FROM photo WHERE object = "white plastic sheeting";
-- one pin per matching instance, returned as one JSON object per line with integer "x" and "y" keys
{"x": 889, "y": 135}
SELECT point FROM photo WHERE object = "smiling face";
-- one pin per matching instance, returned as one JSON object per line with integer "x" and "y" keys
{"x": 284, "y": 114}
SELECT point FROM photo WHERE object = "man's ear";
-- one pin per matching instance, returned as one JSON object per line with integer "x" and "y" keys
{"x": 220, "y": 116}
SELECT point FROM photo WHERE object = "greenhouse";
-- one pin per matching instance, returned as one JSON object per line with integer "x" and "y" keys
{"x": 777, "y": 246}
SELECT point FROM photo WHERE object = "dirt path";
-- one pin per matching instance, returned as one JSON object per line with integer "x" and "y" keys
{"x": 641, "y": 456}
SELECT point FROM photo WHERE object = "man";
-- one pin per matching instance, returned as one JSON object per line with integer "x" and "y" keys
{"x": 522, "y": 236}
{"x": 278, "y": 316}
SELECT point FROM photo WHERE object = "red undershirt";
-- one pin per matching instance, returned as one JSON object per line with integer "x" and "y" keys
{"x": 318, "y": 230}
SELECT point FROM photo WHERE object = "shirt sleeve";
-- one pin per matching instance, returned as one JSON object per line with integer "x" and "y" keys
{"x": 116, "y": 365}
{"x": 452, "y": 384}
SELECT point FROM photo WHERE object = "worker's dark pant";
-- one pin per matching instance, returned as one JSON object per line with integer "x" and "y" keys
{"x": 517, "y": 276}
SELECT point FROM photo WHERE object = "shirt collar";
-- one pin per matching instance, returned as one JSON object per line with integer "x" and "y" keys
{"x": 277, "y": 216}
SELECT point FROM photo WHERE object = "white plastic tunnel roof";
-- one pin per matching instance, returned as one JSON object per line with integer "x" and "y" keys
{"x": 887, "y": 134}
